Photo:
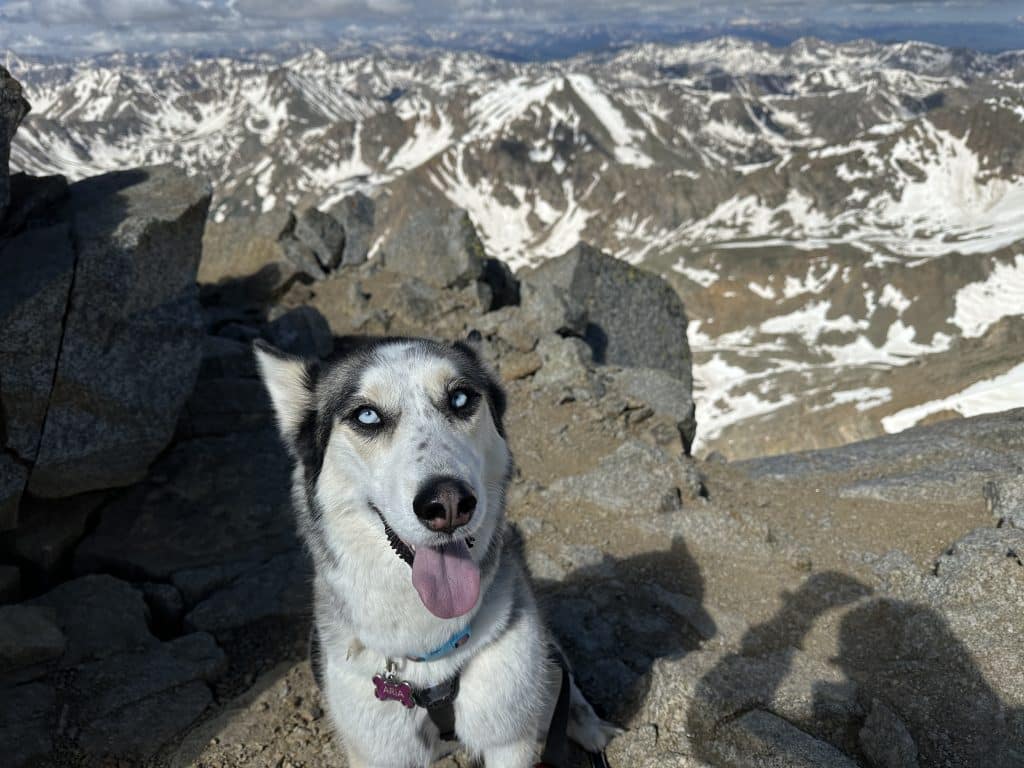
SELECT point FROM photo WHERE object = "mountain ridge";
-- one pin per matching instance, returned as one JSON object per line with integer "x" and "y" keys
{"x": 843, "y": 168}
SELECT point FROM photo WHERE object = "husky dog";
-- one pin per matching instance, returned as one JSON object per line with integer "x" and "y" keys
{"x": 427, "y": 628}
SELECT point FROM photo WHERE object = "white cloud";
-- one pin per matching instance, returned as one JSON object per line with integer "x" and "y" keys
{"x": 97, "y": 12}
{"x": 73, "y": 26}
{"x": 325, "y": 9}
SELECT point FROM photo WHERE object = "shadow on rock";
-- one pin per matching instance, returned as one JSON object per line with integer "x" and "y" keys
{"x": 615, "y": 616}
{"x": 923, "y": 691}
{"x": 742, "y": 710}
{"x": 901, "y": 692}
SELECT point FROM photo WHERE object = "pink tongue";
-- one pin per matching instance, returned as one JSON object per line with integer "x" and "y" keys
{"x": 447, "y": 580}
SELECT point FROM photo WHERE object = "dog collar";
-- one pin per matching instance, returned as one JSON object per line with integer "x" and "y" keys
{"x": 457, "y": 640}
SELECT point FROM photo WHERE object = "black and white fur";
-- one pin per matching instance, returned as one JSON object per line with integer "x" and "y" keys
{"x": 347, "y": 483}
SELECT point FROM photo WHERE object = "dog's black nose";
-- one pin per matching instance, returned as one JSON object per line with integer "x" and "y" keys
{"x": 444, "y": 504}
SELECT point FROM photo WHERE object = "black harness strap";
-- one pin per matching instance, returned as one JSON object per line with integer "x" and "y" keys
{"x": 439, "y": 701}
{"x": 556, "y": 746}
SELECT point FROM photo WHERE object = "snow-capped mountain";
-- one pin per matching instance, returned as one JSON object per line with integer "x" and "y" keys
{"x": 845, "y": 222}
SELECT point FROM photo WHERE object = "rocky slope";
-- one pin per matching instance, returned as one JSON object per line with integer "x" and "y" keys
{"x": 857, "y": 606}
{"x": 834, "y": 216}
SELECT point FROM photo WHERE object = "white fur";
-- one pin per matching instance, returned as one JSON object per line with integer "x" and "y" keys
{"x": 367, "y": 610}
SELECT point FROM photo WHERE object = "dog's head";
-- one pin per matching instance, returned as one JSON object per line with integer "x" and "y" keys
{"x": 408, "y": 433}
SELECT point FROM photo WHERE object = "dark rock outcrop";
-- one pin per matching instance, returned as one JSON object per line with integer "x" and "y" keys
{"x": 131, "y": 342}
{"x": 301, "y": 331}
{"x": 630, "y": 317}
{"x": 192, "y": 516}
{"x": 13, "y": 108}
{"x": 323, "y": 234}
{"x": 244, "y": 258}
{"x": 34, "y": 202}
{"x": 29, "y": 636}
{"x": 437, "y": 245}
{"x": 356, "y": 213}
{"x": 13, "y": 476}
{"x": 38, "y": 268}
{"x": 100, "y": 616}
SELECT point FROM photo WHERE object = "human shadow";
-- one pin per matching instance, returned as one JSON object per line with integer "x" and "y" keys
{"x": 907, "y": 688}
{"x": 905, "y": 655}
{"x": 751, "y": 677}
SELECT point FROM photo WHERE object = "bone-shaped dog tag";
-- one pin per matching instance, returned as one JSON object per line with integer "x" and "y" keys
{"x": 390, "y": 689}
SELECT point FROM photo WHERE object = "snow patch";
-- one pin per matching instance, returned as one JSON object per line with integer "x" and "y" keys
{"x": 987, "y": 396}
{"x": 980, "y": 304}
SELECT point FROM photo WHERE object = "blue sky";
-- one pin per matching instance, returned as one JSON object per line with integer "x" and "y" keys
{"x": 82, "y": 26}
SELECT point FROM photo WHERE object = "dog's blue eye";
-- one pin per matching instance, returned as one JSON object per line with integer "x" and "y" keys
{"x": 459, "y": 399}
{"x": 368, "y": 416}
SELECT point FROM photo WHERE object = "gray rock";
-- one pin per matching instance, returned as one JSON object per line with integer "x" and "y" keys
{"x": 48, "y": 532}
{"x": 27, "y": 737}
{"x": 132, "y": 703}
{"x": 638, "y": 748}
{"x": 692, "y": 699}
{"x": 33, "y": 202}
{"x": 38, "y": 270}
{"x": 437, "y": 245}
{"x": 637, "y": 479}
{"x": 278, "y": 589}
{"x": 962, "y": 565}
{"x": 549, "y": 309}
{"x": 10, "y": 583}
{"x": 356, "y": 214}
{"x": 165, "y": 605}
{"x": 942, "y": 478}
{"x": 688, "y": 608}
{"x": 267, "y": 283}
{"x": 29, "y": 636}
{"x": 885, "y": 741}
{"x": 225, "y": 358}
{"x": 100, "y": 616}
{"x": 301, "y": 331}
{"x": 187, "y": 515}
{"x": 563, "y": 361}
{"x": 323, "y": 234}
{"x": 141, "y": 728}
{"x": 952, "y": 459}
{"x": 130, "y": 351}
{"x": 240, "y": 246}
{"x": 196, "y": 583}
{"x": 245, "y": 259}
{"x": 944, "y": 654}
{"x": 13, "y": 477}
{"x": 1006, "y": 500}
{"x": 303, "y": 259}
{"x": 13, "y": 107}
{"x": 223, "y": 406}
{"x": 633, "y": 317}
{"x": 760, "y": 739}
{"x": 662, "y": 392}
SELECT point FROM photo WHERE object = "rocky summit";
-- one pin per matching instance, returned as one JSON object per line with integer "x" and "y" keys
{"x": 858, "y": 605}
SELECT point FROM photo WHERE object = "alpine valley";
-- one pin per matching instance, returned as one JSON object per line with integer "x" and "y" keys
{"x": 844, "y": 222}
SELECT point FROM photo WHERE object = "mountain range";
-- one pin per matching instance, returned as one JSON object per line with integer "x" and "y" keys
{"x": 845, "y": 222}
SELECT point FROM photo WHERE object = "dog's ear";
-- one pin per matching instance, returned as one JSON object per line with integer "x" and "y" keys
{"x": 289, "y": 382}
